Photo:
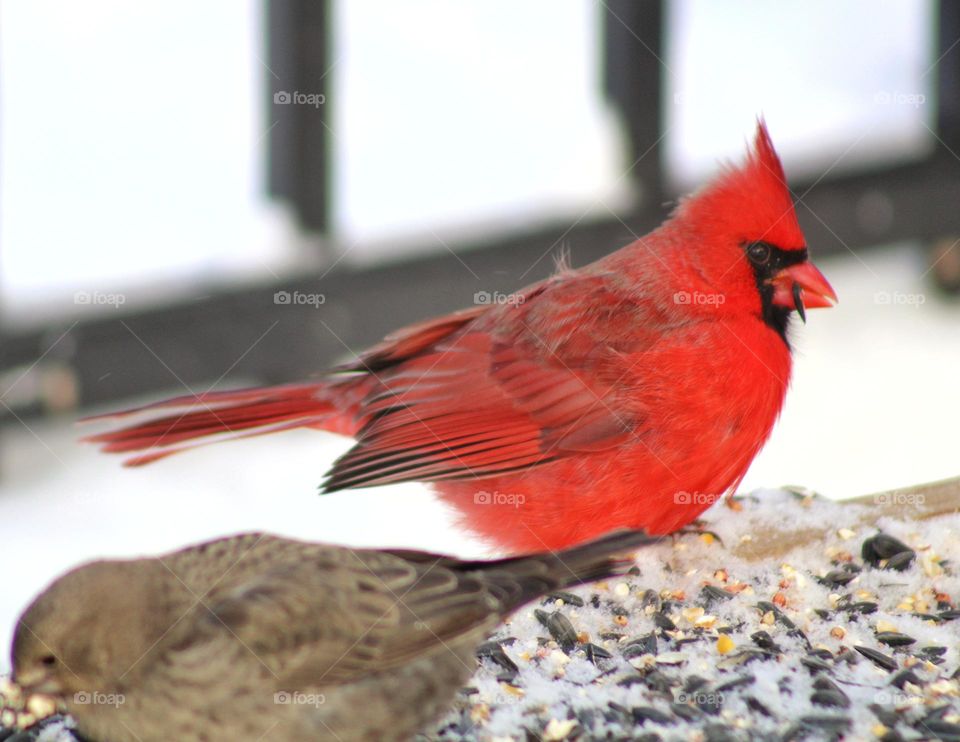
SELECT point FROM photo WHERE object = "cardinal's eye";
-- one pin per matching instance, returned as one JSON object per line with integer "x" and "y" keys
{"x": 48, "y": 660}
{"x": 759, "y": 253}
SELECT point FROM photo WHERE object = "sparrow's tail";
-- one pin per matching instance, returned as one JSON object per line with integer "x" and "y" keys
{"x": 174, "y": 425}
{"x": 532, "y": 576}
{"x": 519, "y": 580}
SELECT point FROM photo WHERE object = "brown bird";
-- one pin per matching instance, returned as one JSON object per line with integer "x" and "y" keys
{"x": 265, "y": 638}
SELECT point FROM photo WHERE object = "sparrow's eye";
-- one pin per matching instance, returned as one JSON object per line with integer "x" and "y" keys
{"x": 758, "y": 252}
{"x": 48, "y": 660}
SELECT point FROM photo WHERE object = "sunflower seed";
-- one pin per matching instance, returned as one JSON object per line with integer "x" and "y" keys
{"x": 766, "y": 606}
{"x": 587, "y": 717}
{"x": 877, "y": 658}
{"x": 943, "y": 730}
{"x": 763, "y": 640}
{"x": 650, "y": 598}
{"x": 643, "y": 714}
{"x": 559, "y": 627}
{"x": 830, "y": 698}
{"x": 880, "y": 547}
{"x": 836, "y": 578}
{"x": 894, "y": 639}
{"x": 646, "y": 644}
{"x": 900, "y": 562}
{"x": 822, "y": 682}
{"x": 709, "y": 703}
{"x": 934, "y": 714}
{"x": 815, "y": 664}
{"x": 664, "y": 622}
{"x": 718, "y": 733}
{"x": 887, "y": 716}
{"x": 619, "y": 708}
{"x": 658, "y": 682}
{"x": 755, "y": 705}
{"x": 494, "y": 652}
{"x": 686, "y": 712}
{"x": 595, "y": 653}
{"x": 710, "y": 594}
{"x": 633, "y": 651}
{"x": 738, "y": 682}
{"x": 903, "y": 677}
{"x": 694, "y": 683}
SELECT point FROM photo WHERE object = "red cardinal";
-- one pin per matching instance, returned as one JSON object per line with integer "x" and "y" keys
{"x": 631, "y": 392}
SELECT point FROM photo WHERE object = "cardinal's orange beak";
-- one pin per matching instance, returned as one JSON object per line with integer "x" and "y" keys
{"x": 801, "y": 286}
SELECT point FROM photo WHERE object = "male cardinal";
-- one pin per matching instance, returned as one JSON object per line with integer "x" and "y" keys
{"x": 632, "y": 392}
{"x": 256, "y": 637}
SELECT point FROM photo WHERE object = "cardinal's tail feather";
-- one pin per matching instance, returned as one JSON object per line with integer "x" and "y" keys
{"x": 228, "y": 415}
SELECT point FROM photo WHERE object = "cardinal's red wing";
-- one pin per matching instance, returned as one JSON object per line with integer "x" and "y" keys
{"x": 411, "y": 340}
{"x": 476, "y": 405}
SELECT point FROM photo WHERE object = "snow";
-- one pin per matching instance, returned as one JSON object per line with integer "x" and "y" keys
{"x": 568, "y": 690}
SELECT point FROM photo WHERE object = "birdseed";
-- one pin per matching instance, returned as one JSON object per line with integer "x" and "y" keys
{"x": 837, "y": 638}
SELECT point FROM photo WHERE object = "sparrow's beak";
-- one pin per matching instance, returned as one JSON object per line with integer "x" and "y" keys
{"x": 36, "y": 681}
{"x": 801, "y": 286}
